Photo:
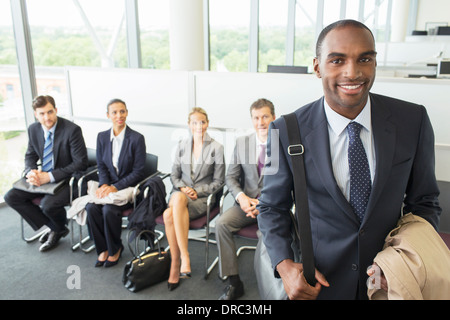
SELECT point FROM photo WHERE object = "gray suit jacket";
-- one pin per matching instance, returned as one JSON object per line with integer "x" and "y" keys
{"x": 242, "y": 174}
{"x": 211, "y": 173}
{"x": 404, "y": 179}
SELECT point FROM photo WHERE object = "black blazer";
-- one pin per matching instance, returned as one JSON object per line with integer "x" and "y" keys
{"x": 69, "y": 149}
{"x": 344, "y": 248}
{"x": 131, "y": 159}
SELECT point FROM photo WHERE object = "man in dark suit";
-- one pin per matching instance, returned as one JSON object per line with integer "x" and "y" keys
{"x": 59, "y": 146}
{"x": 244, "y": 180}
{"x": 398, "y": 141}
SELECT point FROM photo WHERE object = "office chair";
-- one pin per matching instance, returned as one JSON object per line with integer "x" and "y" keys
{"x": 37, "y": 234}
{"x": 247, "y": 232}
{"x": 444, "y": 202}
{"x": 73, "y": 194}
{"x": 151, "y": 169}
{"x": 202, "y": 223}
{"x": 80, "y": 188}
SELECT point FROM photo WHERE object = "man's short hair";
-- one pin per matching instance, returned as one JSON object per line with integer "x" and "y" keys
{"x": 42, "y": 101}
{"x": 115, "y": 101}
{"x": 261, "y": 103}
{"x": 335, "y": 25}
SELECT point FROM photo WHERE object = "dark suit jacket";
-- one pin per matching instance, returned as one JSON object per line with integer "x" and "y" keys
{"x": 344, "y": 248}
{"x": 69, "y": 149}
{"x": 131, "y": 159}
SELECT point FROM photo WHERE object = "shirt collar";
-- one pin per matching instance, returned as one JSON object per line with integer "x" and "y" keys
{"x": 46, "y": 131}
{"x": 338, "y": 123}
{"x": 119, "y": 136}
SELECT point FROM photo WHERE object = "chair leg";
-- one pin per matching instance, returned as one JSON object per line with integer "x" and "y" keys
{"x": 35, "y": 236}
{"x": 81, "y": 241}
{"x": 242, "y": 248}
{"x": 211, "y": 267}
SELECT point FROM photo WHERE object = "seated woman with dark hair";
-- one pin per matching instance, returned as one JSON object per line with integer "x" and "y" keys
{"x": 121, "y": 160}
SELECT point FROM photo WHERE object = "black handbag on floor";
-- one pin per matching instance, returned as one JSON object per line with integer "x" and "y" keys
{"x": 145, "y": 269}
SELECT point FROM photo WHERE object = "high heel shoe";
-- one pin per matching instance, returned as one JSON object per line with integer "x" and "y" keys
{"x": 109, "y": 263}
{"x": 172, "y": 286}
{"x": 185, "y": 275}
{"x": 99, "y": 263}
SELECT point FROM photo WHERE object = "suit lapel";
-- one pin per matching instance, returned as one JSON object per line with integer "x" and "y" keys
{"x": 317, "y": 144}
{"x": 41, "y": 141}
{"x": 384, "y": 134}
{"x": 205, "y": 152}
{"x": 186, "y": 157}
{"x": 57, "y": 140}
{"x": 253, "y": 163}
{"x": 107, "y": 158}
{"x": 123, "y": 150}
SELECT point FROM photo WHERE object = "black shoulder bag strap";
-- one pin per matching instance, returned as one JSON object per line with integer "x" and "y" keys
{"x": 296, "y": 151}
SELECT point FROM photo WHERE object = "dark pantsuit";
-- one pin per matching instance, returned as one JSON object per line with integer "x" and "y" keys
{"x": 105, "y": 223}
{"x": 50, "y": 212}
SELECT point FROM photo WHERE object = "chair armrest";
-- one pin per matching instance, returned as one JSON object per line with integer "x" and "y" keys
{"x": 222, "y": 199}
{"x": 140, "y": 183}
{"x": 163, "y": 176}
{"x": 71, "y": 183}
{"x": 208, "y": 201}
{"x": 83, "y": 177}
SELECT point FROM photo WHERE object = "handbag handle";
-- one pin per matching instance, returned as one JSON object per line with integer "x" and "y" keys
{"x": 136, "y": 240}
{"x": 296, "y": 151}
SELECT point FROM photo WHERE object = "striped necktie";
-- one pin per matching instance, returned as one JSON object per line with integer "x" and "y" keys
{"x": 47, "y": 162}
{"x": 360, "y": 182}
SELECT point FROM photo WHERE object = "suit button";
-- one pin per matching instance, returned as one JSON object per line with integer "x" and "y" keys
{"x": 361, "y": 232}
{"x": 354, "y": 267}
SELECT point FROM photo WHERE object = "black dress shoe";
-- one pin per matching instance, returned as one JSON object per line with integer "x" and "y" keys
{"x": 233, "y": 292}
{"x": 53, "y": 239}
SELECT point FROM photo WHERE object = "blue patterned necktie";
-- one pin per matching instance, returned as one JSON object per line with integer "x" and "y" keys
{"x": 360, "y": 182}
{"x": 47, "y": 162}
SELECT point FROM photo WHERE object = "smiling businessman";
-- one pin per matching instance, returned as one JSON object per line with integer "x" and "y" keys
{"x": 390, "y": 142}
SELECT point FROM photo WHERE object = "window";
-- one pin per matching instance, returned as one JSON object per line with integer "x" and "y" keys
{"x": 229, "y": 22}
{"x": 305, "y": 32}
{"x": 272, "y": 33}
{"x": 13, "y": 135}
{"x": 376, "y": 18}
{"x": 76, "y": 33}
{"x": 154, "y": 31}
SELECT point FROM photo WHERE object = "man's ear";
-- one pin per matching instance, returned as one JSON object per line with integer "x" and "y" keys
{"x": 316, "y": 67}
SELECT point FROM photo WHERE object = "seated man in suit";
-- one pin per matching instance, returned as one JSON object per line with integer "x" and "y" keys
{"x": 59, "y": 146}
{"x": 244, "y": 180}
